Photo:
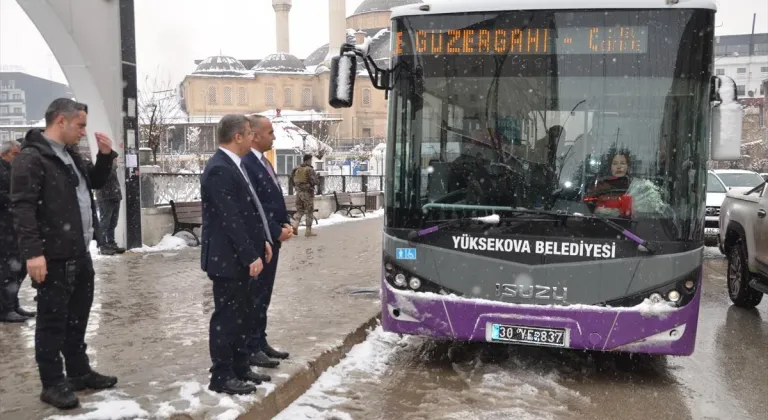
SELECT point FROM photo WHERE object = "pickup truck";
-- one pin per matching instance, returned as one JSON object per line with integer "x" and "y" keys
{"x": 743, "y": 238}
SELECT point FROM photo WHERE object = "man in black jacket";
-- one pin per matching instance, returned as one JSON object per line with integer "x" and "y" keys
{"x": 12, "y": 270}
{"x": 55, "y": 220}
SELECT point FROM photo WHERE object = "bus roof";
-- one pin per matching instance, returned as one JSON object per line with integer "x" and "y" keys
{"x": 435, "y": 7}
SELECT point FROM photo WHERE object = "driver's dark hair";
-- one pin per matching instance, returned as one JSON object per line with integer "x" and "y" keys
{"x": 608, "y": 160}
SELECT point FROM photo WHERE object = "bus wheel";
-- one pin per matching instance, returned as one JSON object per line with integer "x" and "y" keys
{"x": 738, "y": 278}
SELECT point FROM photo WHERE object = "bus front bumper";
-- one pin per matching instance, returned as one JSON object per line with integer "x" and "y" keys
{"x": 672, "y": 331}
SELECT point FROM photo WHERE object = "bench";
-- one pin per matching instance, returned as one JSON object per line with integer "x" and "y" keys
{"x": 290, "y": 206}
{"x": 344, "y": 202}
{"x": 186, "y": 217}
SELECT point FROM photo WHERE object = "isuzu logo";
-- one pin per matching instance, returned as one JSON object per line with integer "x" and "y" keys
{"x": 532, "y": 291}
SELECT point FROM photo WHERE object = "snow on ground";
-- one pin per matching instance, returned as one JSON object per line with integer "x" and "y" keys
{"x": 195, "y": 399}
{"x": 375, "y": 371}
{"x": 338, "y": 218}
{"x": 713, "y": 253}
{"x": 111, "y": 407}
{"x": 364, "y": 362}
{"x": 168, "y": 243}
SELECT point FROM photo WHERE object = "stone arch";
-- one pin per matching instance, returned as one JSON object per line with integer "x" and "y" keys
{"x": 91, "y": 40}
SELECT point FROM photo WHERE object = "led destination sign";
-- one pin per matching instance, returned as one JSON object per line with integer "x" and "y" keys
{"x": 534, "y": 41}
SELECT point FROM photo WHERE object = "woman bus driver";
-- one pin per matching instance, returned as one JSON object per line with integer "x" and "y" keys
{"x": 608, "y": 195}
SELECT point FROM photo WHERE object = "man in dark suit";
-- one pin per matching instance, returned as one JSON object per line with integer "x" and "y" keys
{"x": 264, "y": 181}
{"x": 235, "y": 247}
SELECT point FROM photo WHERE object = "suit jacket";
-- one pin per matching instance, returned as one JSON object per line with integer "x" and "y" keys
{"x": 270, "y": 195}
{"x": 233, "y": 234}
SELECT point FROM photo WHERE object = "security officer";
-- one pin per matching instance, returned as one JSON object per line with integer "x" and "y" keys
{"x": 305, "y": 180}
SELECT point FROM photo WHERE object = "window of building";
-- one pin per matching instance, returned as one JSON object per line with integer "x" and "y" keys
{"x": 242, "y": 96}
{"x": 227, "y": 96}
{"x": 212, "y": 97}
{"x": 17, "y": 96}
{"x": 3, "y": 110}
{"x": 306, "y": 96}
{"x": 270, "y": 95}
{"x": 720, "y": 72}
{"x": 741, "y": 90}
{"x": 367, "y": 133}
{"x": 741, "y": 70}
{"x": 288, "y": 96}
{"x": 366, "y": 97}
{"x": 4, "y": 136}
{"x": 761, "y": 48}
{"x": 286, "y": 161}
{"x": 763, "y": 69}
{"x": 17, "y": 110}
{"x": 3, "y": 96}
{"x": 762, "y": 89}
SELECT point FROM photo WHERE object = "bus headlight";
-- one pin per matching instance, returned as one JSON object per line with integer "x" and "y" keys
{"x": 400, "y": 280}
{"x": 673, "y": 296}
{"x": 689, "y": 284}
{"x": 414, "y": 283}
{"x": 656, "y": 298}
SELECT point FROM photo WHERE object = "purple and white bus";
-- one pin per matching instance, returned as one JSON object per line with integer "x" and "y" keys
{"x": 546, "y": 169}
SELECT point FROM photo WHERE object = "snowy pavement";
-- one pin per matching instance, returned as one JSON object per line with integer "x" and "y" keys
{"x": 393, "y": 377}
{"x": 149, "y": 326}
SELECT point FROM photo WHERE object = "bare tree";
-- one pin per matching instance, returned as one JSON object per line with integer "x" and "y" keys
{"x": 318, "y": 149}
{"x": 158, "y": 104}
{"x": 360, "y": 153}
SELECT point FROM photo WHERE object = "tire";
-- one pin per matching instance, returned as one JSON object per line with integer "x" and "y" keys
{"x": 738, "y": 277}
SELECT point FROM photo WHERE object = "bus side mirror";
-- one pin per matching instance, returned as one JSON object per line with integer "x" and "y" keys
{"x": 342, "y": 84}
{"x": 727, "y": 119}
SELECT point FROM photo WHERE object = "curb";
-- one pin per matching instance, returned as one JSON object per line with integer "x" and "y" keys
{"x": 289, "y": 391}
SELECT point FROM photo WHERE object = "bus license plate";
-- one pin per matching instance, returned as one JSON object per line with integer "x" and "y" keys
{"x": 529, "y": 335}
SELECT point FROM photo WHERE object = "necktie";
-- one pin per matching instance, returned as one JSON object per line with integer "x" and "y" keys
{"x": 269, "y": 169}
{"x": 258, "y": 203}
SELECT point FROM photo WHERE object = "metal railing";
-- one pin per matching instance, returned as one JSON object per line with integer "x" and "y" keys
{"x": 160, "y": 188}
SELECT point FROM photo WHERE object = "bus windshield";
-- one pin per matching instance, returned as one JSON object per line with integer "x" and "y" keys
{"x": 578, "y": 112}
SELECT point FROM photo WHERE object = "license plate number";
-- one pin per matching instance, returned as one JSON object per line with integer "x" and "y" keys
{"x": 529, "y": 335}
{"x": 711, "y": 231}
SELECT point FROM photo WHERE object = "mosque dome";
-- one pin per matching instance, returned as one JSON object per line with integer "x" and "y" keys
{"x": 381, "y": 5}
{"x": 280, "y": 62}
{"x": 220, "y": 65}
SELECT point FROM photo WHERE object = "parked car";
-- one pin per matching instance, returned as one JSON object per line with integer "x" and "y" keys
{"x": 738, "y": 178}
{"x": 744, "y": 239}
{"x": 716, "y": 191}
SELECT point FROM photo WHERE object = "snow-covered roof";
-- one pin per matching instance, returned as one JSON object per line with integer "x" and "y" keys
{"x": 180, "y": 117}
{"x": 379, "y": 48}
{"x": 368, "y": 6}
{"x": 221, "y": 65}
{"x": 280, "y": 62}
{"x": 290, "y": 137}
{"x": 433, "y": 7}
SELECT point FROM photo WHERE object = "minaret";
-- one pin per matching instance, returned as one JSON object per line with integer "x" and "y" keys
{"x": 282, "y": 9}
{"x": 337, "y": 24}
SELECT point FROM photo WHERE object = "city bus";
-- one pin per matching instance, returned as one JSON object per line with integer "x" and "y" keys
{"x": 546, "y": 169}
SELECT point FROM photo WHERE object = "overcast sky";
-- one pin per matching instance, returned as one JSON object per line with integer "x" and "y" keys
{"x": 171, "y": 34}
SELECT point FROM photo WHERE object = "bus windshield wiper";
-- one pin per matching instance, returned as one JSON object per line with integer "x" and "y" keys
{"x": 650, "y": 247}
{"x": 492, "y": 219}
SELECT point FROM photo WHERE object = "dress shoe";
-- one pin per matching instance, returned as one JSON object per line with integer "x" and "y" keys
{"x": 92, "y": 380}
{"x": 262, "y": 360}
{"x": 254, "y": 377}
{"x": 275, "y": 354}
{"x": 60, "y": 396}
{"x": 12, "y": 317}
{"x": 233, "y": 386}
{"x": 107, "y": 250}
{"x": 23, "y": 312}
{"x": 117, "y": 248}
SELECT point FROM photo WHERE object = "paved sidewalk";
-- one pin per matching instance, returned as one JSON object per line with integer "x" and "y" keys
{"x": 149, "y": 326}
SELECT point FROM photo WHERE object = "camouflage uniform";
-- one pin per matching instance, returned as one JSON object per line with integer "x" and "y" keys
{"x": 305, "y": 180}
